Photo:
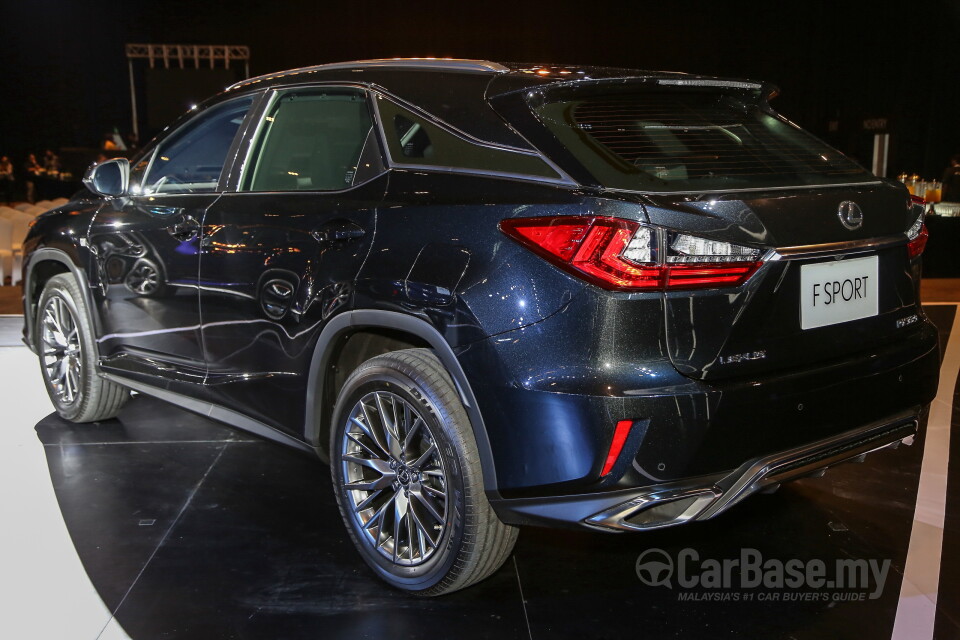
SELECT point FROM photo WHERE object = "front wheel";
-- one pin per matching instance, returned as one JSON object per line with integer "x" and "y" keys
{"x": 407, "y": 477}
{"x": 68, "y": 355}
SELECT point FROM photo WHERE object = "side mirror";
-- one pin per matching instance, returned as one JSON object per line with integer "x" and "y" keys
{"x": 109, "y": 178}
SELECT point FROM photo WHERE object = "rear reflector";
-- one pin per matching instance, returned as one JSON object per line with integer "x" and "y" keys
{"x": 623, "y": 255}
{"x": 619, "y": 437}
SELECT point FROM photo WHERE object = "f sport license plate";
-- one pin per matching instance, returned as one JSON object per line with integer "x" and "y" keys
{"x": 838, "y": 291}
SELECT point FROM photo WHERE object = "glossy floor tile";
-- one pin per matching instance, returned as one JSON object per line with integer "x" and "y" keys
{"x": 163, "y": 524}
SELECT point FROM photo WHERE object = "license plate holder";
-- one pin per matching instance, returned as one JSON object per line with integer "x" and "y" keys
{"x": 838, "y": 291}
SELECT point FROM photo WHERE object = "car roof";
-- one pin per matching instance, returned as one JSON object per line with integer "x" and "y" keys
{"x": 535, "y": 74}
{"x": 461, "y": 99}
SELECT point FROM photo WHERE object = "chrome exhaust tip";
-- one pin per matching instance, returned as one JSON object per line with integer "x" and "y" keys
{"x": 655, "y": 511}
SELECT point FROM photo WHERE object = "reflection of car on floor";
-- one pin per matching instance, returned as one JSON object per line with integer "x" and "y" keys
{"x": 496, "y": 295}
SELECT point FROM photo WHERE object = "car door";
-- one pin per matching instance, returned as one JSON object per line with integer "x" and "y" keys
{"x": 146, "y": 249}
{"x": 280, "y": 253}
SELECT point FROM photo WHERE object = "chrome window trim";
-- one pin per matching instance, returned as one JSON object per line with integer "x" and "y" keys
{"x": 480, "y": 172}
{"x": 378, "y": 94}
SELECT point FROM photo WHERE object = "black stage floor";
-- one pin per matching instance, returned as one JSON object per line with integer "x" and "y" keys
{"x": 189, "y": 529}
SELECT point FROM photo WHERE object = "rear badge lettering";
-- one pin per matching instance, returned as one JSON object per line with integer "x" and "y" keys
{"x": 831, "y": 292}
{"x": 743, "y": 357}
{"x": 903, "y": 322}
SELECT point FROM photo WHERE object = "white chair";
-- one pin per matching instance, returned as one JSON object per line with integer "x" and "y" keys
{"x": 23, "y": 206}
{"x": 6, "y": 251}
{"x": 9, "y": 214}
{"x": 20, "y": 222}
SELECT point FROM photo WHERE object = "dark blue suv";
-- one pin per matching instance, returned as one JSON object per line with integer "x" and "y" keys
{"x": 494, "y": 295}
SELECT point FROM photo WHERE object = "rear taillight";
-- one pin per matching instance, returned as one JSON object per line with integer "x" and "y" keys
{"x": 917, "y": 238}
{"x": 623, "y": 255}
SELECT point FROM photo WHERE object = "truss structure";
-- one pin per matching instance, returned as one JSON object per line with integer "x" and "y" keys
{"x": 185, "y": 55}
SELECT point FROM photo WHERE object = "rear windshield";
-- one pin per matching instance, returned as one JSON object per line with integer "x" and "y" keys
{"x": 691, "y": 140}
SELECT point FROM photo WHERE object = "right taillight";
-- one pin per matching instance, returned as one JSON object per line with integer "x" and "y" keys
{"x": 623, "y": 255}
{"x": 917, "y": 238}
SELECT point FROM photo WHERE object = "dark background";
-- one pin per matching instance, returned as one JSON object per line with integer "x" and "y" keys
{"x": 63, "y": 72}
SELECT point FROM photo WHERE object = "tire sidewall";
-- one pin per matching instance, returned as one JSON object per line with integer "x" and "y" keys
{"x": 384, "y": 378}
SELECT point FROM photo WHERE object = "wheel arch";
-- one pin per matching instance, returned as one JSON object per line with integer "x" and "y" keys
{"x": 44, "y": 264}
{"x": 406, "y": 331}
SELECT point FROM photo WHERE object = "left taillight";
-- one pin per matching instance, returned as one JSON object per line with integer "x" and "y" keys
{"x": 917, "y": 238}
{"x": 623, "y": 255}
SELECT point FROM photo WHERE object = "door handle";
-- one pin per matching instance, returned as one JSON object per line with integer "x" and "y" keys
{"x": 338, "y": 231}
{"x": 184, "y": 229}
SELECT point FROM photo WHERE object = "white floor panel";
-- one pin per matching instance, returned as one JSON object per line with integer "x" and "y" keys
{"x": 46, "y": 592}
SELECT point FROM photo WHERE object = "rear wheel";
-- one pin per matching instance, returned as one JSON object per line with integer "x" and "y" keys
{"x": 407, "y": 477}
{"x": 68, "y": 355}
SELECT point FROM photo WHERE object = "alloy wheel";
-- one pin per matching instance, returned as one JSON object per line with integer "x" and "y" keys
{"x": 61, "y": 350}
{"x": 394, "y": 478}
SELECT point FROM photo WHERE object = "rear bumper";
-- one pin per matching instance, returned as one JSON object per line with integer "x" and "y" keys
{"x": 707, "y": 496}
{"x": 549, "y": 444}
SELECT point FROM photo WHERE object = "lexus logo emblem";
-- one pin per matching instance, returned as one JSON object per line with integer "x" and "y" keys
{"x": 850, "y": 215}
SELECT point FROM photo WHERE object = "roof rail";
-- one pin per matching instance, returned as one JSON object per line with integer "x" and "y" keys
{"x": 450, "y": 64}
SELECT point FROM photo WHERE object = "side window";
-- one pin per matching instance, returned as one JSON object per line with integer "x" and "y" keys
{"x": 190, "y": 159}
{"x": 314, "y": 140}
{"x": 415, "y": 141}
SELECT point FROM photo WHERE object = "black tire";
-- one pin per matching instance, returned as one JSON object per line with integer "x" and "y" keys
{"x": 68, "y": 359}
{"x": 469, "y": 542}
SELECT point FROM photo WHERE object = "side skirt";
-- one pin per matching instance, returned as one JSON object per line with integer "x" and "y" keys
{"x": 213, "y": 411}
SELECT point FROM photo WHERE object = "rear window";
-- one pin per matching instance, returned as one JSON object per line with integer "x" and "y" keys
{"x": 691, "y": 140}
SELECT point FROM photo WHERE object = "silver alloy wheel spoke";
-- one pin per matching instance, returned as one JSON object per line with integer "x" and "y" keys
{"x": 428, "y": 503}
{"x": 61, "y": 355}
{"x": 424, "y": 457}
{"x": 401, "y": 506}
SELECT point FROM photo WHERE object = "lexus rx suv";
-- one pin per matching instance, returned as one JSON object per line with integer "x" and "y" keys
{"x": 496, "y": 295}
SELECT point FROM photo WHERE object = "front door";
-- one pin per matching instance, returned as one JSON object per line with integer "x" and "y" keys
{"x": 147, "y": 247}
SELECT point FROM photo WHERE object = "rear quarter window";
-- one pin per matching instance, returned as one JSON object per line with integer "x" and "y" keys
{"x": 415, "y": 141}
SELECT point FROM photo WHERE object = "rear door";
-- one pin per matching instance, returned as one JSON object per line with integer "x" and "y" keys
{"x": 281, "y": 251}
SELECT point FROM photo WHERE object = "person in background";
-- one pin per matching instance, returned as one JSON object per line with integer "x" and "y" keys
{"x": 107, "y": 144}
{"x": 7, "y": 179}
{"x": 118, "y": 140}
{"x": 32, "y": 169}
{"x": 51, "y": 162}
{"x": 951, "y": 181}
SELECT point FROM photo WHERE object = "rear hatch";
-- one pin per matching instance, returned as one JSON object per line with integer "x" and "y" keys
{"x": 710, "y": 159}
{"x": 827, "y": 293}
